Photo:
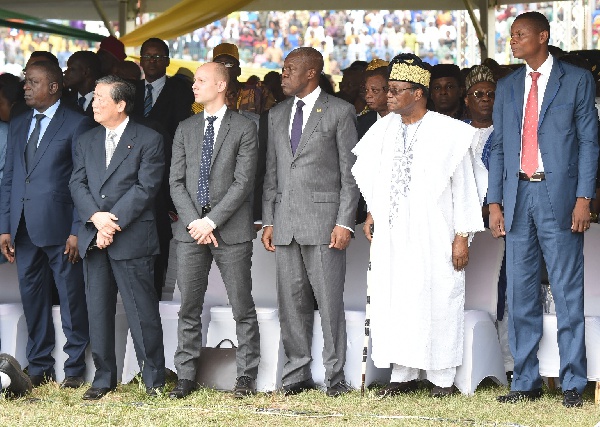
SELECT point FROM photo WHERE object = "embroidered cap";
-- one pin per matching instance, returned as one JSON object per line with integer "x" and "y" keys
{"x": 478, "y": 74}
{"x": 376, "y": 63}
{"x": 226, "y": 49}
{"x": 408, "y": 67}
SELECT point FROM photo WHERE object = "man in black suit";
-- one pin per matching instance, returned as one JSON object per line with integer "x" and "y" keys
{"x": 39, "y": 226}
{"x": 83, "y": 69}
{"x": 167, "y": 101}
{"x": 118, "y": 171}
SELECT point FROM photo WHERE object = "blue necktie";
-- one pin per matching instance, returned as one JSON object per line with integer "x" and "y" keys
{"x": 81, "y": 102}
{"x": 297, "y": 126}
{"x": 32, "y": 142}
{"x": 207, "y": 150}
{"x": 148, "y": 100}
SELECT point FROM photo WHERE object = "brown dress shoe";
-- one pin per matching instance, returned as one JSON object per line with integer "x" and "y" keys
{"x": 393, "y": 389}
{"x": 72, "y": 382}
{"x": 442, "y": 391}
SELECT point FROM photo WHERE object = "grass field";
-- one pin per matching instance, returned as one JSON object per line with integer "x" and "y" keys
{"x": 129, "y": 406}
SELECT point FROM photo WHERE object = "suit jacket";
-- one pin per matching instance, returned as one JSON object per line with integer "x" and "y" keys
{"x": 126, "y": 188}
{"x": 231, "y": 179}
{"x": 173, "y": 105}
{"x": 42, "y": 195}
{"x": 567, "y": 138}
{"x": 364, "y": 123}
{"x": 305, "y": 195}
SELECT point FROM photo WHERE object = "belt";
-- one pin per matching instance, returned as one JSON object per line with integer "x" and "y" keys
{"x": 205, "y": 210}
{"x": 536, "y": 177}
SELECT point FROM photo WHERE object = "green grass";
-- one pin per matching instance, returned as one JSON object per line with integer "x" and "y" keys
{"x": 129, "y": 406}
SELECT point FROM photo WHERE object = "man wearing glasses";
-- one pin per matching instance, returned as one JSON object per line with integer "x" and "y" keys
{"x": 414, "y": 170}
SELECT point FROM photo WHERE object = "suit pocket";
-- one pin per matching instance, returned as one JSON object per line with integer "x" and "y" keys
{"x": 322, "y": 197}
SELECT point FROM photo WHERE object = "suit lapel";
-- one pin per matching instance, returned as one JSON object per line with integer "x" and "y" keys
{"x": 314, "y": 118}
{"x": 223, "y": 131}
{"x": 551, "y": 89}
{"x": 22, "y": 132}
{"x": 285, "y": 119}
{"x": 55, "y": 124}
{"x": 196, "y": 140}
{"x": 126, "y": 143}
{"x": 518, "y": 92}
{"x": 98, "y": 152}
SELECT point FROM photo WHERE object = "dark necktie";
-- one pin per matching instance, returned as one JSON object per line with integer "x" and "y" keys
{"x": 207, "y": 150}
{"x": 32, "y": 142}
{"x": 81, "y": 102}
{"x": 297, "y": 126}
{"x": 148, "y": 100}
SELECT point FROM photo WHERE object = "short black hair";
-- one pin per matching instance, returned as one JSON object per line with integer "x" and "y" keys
{"x": 537, "y": 19}
{"x": 52, "y": 72}
{"x": 48, "y": 56}
{"x": 90, "y": 60}
{"x": 120, "y": 90}
{"x": 311, "y": 57}
{"x": 379, "y": 71}
{"x": 156, "y": 40}
{"x": 11, "y": 87}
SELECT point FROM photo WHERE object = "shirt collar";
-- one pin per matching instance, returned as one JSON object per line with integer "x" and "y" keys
{"x": 119, "y": 129}
{"x": 50, "y": 111}
{"x": 544, "y": 69}
{"x": 219, "y": 114}
{"x": 310, "y": 99}
{"x": 160, "y": 82}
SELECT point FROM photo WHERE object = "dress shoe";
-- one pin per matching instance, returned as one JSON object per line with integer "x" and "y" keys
{"x": 20, "y": 384}
{"x": 244, "y": 386}
{"x": 96, "y": 393}
{"x": 393, "y": 389}
{"x": 338, "y": 389}
{"x": 299, "y": 387}
{"x": 520, "y": 396}
{"x": 40, "y": 380}
{"x": 72, "y": 382}
{"x": 572, "y": 399}
{"x": 155, "y": 391}
{"x": 442, "y": 391}
{"x": 183, "y": 389}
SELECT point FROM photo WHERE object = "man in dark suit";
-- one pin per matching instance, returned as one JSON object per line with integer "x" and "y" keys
{"x": 117, "y": 174}
{"x": 83, "y": 69}
{"x": 309, "y": 209}
{"x": 168, "y": 101}
{"x": 38, "y": 216}
{"x": 212, "y": 179}
{"x": 542, "y": 170}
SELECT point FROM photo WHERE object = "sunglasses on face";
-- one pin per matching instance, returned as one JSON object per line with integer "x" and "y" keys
{"x": 480, "y": 94}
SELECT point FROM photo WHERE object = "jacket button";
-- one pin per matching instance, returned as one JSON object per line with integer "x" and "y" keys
{"x": 27, "y": 181}
{"x": 103, "y": 196}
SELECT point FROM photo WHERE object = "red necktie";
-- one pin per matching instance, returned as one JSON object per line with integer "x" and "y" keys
{"x": 529, "y": 149}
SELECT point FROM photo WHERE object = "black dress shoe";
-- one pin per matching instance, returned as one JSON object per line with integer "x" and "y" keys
{"x": 20, "y": 384}
{"x": 155, "y": 391}
{"x": 40, "y": 380}
{"x": 299, "y": 387}
{"x": 183, "y": 389}
{"x": 520, "y": 396}
{"x": 393, "y": 389}
{"x": 96, "y": 393}
{"x": 442, "y": 391}
{"x": 572, "y": 399}
{"x": 338, "y": 389}
{"x": 72, "y": 382}
{"x": 244, "y": 386}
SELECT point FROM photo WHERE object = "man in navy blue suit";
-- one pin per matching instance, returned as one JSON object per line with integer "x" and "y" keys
{"x": 542, "y": 170}
{"x": 38, "y": 223}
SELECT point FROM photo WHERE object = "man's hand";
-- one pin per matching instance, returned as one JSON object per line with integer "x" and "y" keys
{"x": 208, "y": 239}
{"x": 71, "y": 249}
{"x": 7, "y": 248}
{"x": 497, "y": 220}
{"x": 367, "y": 226}
{"x": 267, "y": 238}
{"x": 257, "y": 227}
{"x": 460, "y": 252}
{"x": 340, "y": 238}
{"x": 199, "y": 229}
{"x": 105, "y": 223}
{"x": 103, "y": 242}
{"x": 580, "y": 216}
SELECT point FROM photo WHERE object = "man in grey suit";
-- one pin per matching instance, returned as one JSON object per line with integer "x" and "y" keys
{"x": 117, "y": 174}
{"x": 309, "y": 206}
{"x": 212, "y": 179}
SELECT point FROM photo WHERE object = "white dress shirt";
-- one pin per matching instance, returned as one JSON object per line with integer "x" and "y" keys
{"x": 309, "y": 102}
{"x": 118, "y": 133}
{"x": 88, "y": 99}
{"x": 157, "y": 87}
{"x": 49, "y": 113}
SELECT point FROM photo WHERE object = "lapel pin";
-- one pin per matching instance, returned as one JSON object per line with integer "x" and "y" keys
{"x": 318, "y": 110}
{"x": 129, "y": 146}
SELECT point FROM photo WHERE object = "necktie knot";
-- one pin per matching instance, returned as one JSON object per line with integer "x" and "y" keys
{"x": 211, "y": 119}
{"x": 300, "y": 104}
{"x": 535, "y": 76}
{"x": 81, "y": 101}
{"x": 149, "y": 87}
{"x": 111, "y": 136}
{"x": 39, "y": 117}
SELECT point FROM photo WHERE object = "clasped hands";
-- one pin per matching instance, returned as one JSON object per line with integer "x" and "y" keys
{"x": 202, "y": 232}
{"x": 106, "y": 226}
{"x": 340, "y": 238}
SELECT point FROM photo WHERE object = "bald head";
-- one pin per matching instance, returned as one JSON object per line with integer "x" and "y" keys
{"x": 210, "y": 83}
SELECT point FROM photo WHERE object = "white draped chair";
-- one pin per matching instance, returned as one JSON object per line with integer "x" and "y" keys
{"x": 548, "y": 351}
{"x": 482, "y": 355}
{"x": 13, "y": 329}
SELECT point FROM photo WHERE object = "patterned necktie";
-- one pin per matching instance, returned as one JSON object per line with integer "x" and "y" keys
{"x": 148, "y": 100}
{"x": 32, "y": 142}
{"x": 297, "y": 126}
{"x": 111, "y": 146}
{"x": 81, "y": 102}
{"x": 529, "y": 149}
{"x": 207, "y": 150}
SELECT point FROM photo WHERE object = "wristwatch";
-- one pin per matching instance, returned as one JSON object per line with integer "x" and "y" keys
{"x": 462, "y": 234}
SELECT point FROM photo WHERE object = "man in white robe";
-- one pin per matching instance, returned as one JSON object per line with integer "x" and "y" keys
{"x": 415, "y": 171}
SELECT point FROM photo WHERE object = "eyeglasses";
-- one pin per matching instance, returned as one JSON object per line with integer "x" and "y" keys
{"x": 225, "y": 64}
{"x": 396, "y": 92}
{"x": 480, "y": 94}
{"x": 153, "y": 57}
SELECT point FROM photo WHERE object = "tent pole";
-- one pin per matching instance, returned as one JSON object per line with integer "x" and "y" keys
{"x": 123, "y": 17}
{"x": 104, "y": 17}
{"x": 478, "y": 28}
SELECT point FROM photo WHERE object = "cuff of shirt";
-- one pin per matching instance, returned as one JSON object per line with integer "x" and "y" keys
{"x": 267, "y": 225}
{"x": 210, "y": 222}
{"x": 347, "y": 228}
